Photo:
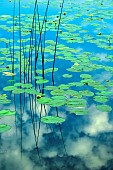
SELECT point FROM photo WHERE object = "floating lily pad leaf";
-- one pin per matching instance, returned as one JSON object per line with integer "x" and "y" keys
{"x": 2, "y": 58}
{"x": 17, "y": 84}
{"x": 32, "y": 91}
{"x": 52, "y": 119}
{"x": 101, "y": 99}
{"x": 86, "y": 76}
{"x": 63, "y": 86}
{"x": 57, "y": 92}
{"x": 4, "y": 128}
{"x": 100, "y": 87}
{"x": 44, "y": 100}
{"x": 38, "y": 77}
{"x": 9, "y": 88}
{"x": 104, "y": 108}
{"x": 3, "y": 112}
{"x": 51, "y": 42}
{"x": 109, "y": 57}
{"x": 108, "y": 68}
{"x": 104, "y": 93}
{"x": 86, "y": 93}
{"x": 87, "y": 81}
{"x": 109, "y": 83}
{"x": 41, "y": 81}
{"x": 17, "y": 91}
{"x": 1, "y": 63}
{"x": 5, "y": 101}
{"x": 49, "y": 59}
{"x": 7, "y": 113}
{"x": 57, "y": 102}
{"x": 79, "y": 84}
{"x": 75, "y": 69}
{"x": 76, "y": 95}
{"x": 58, "y": 97}
{"x": 79, "y": 111}
{"x": 39, "y": 71}
{"x": 95, "y": 83}
{"x": 76, "y": 102}
{"x": 72, "y": 92}
{"x": 50, "y": 88}
{"x": 95, "y": 58}
{"x": 27, "y": 85}
{"x": 49, "y": 70}
{"x": 3, "y": 96}
{"x": 87, "y": 69}
{"x": 67, "y": 75}
{"x": 108, "y": 47}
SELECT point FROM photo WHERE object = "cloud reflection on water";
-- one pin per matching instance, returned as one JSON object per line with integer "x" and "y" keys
{"x": 81, "y": 142}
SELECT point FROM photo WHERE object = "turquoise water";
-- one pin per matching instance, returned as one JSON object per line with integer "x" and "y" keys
{"x": 56, "y": 87}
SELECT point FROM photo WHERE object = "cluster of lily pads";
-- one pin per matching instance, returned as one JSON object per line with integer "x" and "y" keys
{"x": 86, "y": 25}
{"x": 5, "y": 127}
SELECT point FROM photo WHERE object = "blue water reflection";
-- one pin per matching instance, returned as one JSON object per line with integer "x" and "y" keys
{"x": 82, "y": 142}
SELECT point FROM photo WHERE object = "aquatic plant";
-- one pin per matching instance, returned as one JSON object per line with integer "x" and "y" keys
{"x": 5, "y": 127}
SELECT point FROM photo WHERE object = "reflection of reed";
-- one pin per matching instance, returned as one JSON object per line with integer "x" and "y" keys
{"x": 57, "y": 41}
{"x": 28, "y": 66}
{"x": 20, "y": 37}
{"x": 59, "y": 21}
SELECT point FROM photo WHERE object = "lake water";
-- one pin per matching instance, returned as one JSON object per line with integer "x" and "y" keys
{"x": 56, "y": 86}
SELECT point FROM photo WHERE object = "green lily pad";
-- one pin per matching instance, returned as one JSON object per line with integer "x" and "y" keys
{"x": 39, "y": 71}
{"x": 44, "y": 100}
{"x": 109, "y": 83}
{"x": 101, "y": 99}
{"x": 104, "y": 93}
{"x": 86, "y": 76}
{"x": 17, "y": 84}
{"x": 27, "y": 85}
{"x": 50, "y": 88}
{"x": 76, "y": 102}
{"x": 100, "y": 87}
{"x": 31, "y": 91}
{"x": 7, "y": 113}
{"x": 17, "y": 91}
{"x": 49, "y": 70}
{"x": 67, "y": 75}
{"x": 58, "y": 97}
{"x": 63, "y": 86}
{"x": 9, "y": 88}
{"x": 95, "y": 58}
{"x": 73, "y": 93}
{"x": 57, "y": 102}
{"x": 104, "y": 108}
{"x": 4, "y": 128}
{"x": 52, "y": 119}
{"x": 87, "y": 81}
{"x": 79, "y": 111}
{"x": 41, "y": 81}
{"x": 86, "y": 93}
{"x": 57, "y": 92}
{"x": 79, "y": 84}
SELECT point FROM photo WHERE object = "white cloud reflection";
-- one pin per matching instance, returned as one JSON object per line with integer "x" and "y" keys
{"x": 103, "y": 76}
{"x": 102, "y": 56}
{"x": 88, "y": 148}
{"x": 98, "y": 122}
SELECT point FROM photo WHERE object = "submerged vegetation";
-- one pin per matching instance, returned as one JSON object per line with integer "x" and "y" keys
{"x": 41, "y": 50}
